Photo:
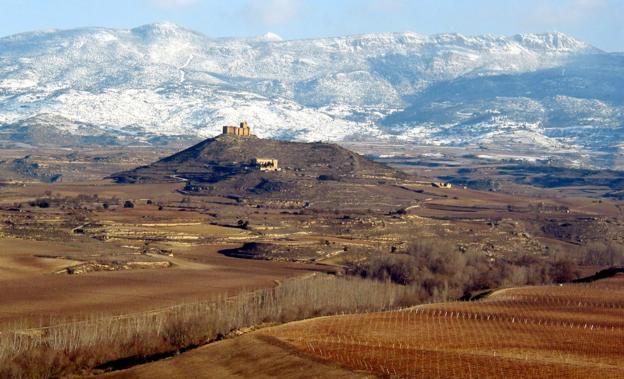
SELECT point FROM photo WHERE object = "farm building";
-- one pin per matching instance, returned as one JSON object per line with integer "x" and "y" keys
{"x": 267, "y": 164}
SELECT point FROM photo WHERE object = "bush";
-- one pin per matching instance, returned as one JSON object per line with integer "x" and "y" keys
{"x": 563, "y": 271}
{"x": 41, "y": 203}
{"x": 128, "y": 204}
{"x": 602, "y": 254}
{"x": 395, "y": 268}
{"x": 443, "y": 272}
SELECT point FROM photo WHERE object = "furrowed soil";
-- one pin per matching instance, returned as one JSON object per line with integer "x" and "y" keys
{"x": 570, "y": 331}
{"x": 247, "y": 356}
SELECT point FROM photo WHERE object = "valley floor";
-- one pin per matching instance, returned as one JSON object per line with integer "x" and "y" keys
{"x": 91, "y": 248}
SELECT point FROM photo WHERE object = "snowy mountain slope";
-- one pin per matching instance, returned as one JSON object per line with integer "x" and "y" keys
{"x": 577, "y": 106}
{"x": 162, "y": 79}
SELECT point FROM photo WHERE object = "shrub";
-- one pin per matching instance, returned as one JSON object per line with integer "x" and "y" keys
{"x": 563, "y": 271}
{"x": 128, "y": 204}
{"x": 41, "y": 203}
{"x": 602, "y": 254}
{"x": 395, "y": 268}
{"x": 444, "y": 272}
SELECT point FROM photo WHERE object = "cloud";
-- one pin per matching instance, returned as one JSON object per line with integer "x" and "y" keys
{"x": 273, "y": 12}
{"x": 174, "y": 3}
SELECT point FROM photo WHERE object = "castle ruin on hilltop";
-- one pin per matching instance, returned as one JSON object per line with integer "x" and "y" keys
{"x": 241, "y": 131}
{"x": 264, "y": 164}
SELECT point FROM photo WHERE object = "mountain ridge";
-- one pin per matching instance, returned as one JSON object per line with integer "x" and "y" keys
{"x": 163, "y": 79}
{"x": 171, "y": 28}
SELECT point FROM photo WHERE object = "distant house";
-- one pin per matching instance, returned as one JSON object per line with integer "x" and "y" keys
{"x": 267, "y": 164}
{"x": 242, "y": 131}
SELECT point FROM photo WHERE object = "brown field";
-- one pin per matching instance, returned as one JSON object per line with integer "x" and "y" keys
{"x": 42, "y": 242}
{"x": 32, "y": 292}
{"x": 247, "y": 356}
{"x": 17, "y": 260}
{"x": 571, "y": 331}
{"x": 101, "y": 344}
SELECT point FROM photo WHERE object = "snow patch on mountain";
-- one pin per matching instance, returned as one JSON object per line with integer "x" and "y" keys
{"x": 270, "y": 37}
{"x": 547, "y": 90}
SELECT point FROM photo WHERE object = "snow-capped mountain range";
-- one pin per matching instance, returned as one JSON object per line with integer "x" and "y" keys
{"x": 546, "y": 92}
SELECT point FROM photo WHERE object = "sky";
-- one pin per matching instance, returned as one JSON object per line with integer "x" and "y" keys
{"x": 598, "y": 22}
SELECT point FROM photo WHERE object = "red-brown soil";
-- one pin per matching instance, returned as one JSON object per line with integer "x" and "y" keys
{"x": 243, "y": 357}
{"x": 46, "y": 295}
{"x": 525, "y": 332}
{"x": 570, "y": 331}
{"x": 573, "y": 331}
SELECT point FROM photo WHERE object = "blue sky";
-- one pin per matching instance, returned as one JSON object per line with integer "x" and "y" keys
{"x": 599, "y": 22}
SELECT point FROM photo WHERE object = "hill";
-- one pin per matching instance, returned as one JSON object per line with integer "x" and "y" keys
{"x": 307, "y": 174}
{"x": 52, "y": 131}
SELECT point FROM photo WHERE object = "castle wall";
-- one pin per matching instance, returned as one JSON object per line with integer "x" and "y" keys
{"x": 242, "y": 131}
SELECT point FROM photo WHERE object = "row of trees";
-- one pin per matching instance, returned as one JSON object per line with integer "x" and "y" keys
{"x": 76, "y": 347}
{"x": 83, "y": 202}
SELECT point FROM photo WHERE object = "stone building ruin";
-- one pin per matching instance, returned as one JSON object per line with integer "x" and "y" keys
{"x": 267, "y": 164}
{"x": 241, "y": 131}
{"x": 442, "y": 185}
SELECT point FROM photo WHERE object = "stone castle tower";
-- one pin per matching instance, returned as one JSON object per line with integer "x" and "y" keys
{"x": 242, "y": 131}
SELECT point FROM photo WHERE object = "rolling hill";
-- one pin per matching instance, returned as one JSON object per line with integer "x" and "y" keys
{"x": 310, "y": 174}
